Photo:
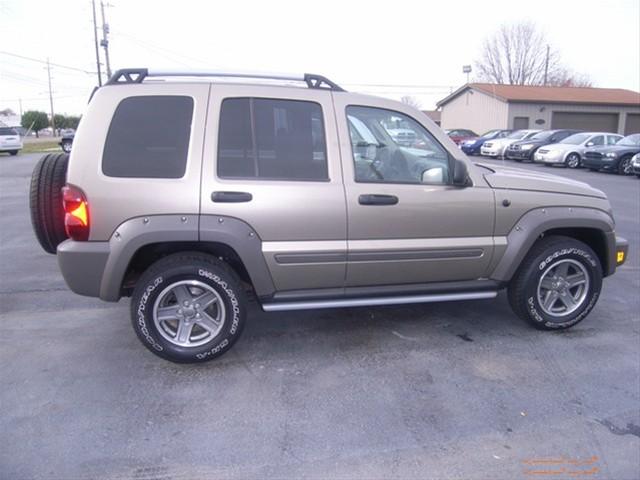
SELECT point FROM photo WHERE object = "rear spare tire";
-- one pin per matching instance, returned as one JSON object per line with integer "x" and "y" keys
{"x": 45, "y": 200}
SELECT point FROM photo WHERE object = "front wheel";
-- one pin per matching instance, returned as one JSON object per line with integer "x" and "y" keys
{"x": 573, "y": 160}
{"x": 188, "y": 308}
{"x": 557, "y": 285}
{"x": 624, "y": 167}
{"x": 66, "y": 147}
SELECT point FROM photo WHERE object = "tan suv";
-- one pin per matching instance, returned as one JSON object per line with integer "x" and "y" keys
{"x": 186, "y": 191}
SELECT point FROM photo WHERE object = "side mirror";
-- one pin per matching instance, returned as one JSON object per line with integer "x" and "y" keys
{"x": 590, "y": 144}
{"x": 460, "y": 173}
{"x": 433, "y": 176}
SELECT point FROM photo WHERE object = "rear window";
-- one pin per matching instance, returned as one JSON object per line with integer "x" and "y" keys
{"x": 272, "y": 139}
{"x": 149, "y": 137}
{"x": 7, "y": 131}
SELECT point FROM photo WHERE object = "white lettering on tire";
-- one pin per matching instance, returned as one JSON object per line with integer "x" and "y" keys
{"x": 141, "y": 314}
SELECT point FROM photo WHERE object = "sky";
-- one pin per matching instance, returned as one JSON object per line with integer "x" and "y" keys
{"x": 390, "y": 48}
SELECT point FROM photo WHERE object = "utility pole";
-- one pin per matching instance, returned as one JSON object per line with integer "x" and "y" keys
{"x": 546, "y": 66}
{"x": 105, "y": 41}
{"x": 53, "y": 121}
{"x": 95, "y": 41}
{"x": 20, "y": 103}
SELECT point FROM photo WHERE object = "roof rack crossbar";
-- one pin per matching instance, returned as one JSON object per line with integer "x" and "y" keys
{"x": 137, "y": 75}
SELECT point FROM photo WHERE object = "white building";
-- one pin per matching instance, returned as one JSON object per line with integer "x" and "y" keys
{"x": 484, "y": 106}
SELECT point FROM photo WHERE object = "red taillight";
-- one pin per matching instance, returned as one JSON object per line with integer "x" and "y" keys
{"x": 76, "y": 208}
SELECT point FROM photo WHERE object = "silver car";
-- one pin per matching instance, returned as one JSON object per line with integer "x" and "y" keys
{"x": 569, "y": 152}
{"x": 497, "y": 147}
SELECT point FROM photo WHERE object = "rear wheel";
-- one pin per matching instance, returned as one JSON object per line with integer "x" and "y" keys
{"x": 188, "y": 308}
{"x": 45, "y": 200}
{"x": 573, "y": 160}
{"x": 13, "y": 152}
{"x": 557, "y": 285}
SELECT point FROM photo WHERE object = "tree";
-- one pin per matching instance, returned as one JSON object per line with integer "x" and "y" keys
{"x": 411, "y": 101}
{"x": 518, "y": 54}
{"x": 35, "y": 120}
{"x": 60, "y": 121}
{"x": 72, "y": 122}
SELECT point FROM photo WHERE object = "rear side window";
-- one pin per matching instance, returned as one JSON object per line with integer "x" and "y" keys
{"x": 149, "y": 137}
{"x": 271, "y": 139}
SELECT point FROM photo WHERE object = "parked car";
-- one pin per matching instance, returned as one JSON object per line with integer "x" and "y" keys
{"x": 635, "y": 165}
{"x": 10, "y": 140}
{"x": 525, "y": 149}
{"x": 496, "y": 148}
{"x": 186, "y": 223}
{"x": 473, "y": 146}
{"x": 569, "y": 152}
{"x": 613, "y": 158}
{"x": 66, "y": 142}
{"x": 460, "y": 135}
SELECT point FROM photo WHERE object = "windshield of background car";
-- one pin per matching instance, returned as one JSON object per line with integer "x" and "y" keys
{"x": 576, "y": 139}
{"x": 490, "y": 133}
{"x": 517, "y": 135}
{"x": 630, "y": 141}
{"x": 541, "y": 135}
{"x": 7, "y": 131}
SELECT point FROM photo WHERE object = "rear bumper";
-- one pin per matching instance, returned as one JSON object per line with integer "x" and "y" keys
{"x": 82, "y": 265}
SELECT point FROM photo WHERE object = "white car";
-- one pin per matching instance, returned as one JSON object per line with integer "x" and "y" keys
{"x": 497, "y": 147}
{"x": 569, "y": 152}
{"x": 10, "y": 140}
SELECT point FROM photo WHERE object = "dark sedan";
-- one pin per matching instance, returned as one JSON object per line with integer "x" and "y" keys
{"x": 613, "y": 158}
{"x": 473, "y": 146}
{"x": 524, "y": 149}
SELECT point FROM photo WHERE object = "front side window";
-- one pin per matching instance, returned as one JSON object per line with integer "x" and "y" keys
{"x": 390, "y": 147}
{"x": 149, "y": 137}
{"x": 274, "y": 139}
{"x": 597, "y": 141}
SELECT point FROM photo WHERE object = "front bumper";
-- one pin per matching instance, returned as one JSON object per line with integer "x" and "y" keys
{"x": 489, "y": 152}
{"x": 518, "y": 154}
{"x": 599, "y": 164}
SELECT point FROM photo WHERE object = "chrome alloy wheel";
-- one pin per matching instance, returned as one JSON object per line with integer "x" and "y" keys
{"x": 189, "y": 313}
{"x": 563, "y": 288}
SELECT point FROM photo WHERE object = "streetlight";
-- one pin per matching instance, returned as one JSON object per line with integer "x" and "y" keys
{"x": 466, "y": 69}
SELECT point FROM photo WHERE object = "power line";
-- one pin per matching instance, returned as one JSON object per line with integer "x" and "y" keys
{"x": 46, "y": 63}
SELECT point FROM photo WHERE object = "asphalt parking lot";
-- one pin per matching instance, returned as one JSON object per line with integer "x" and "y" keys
{"x": 449, "y": 390}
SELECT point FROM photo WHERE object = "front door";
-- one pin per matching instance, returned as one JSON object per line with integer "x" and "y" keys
{"x": 407, "y": 223}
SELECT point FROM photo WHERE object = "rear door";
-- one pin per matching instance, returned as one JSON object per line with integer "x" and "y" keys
{"x": 406, "y": 222}
{"x": 271, "y": 159}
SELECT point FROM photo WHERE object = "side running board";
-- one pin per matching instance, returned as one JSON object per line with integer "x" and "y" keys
{"x": 374, "y": 301}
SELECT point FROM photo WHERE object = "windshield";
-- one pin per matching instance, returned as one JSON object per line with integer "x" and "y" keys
{"x": 542, "y": 135}
{"x": 631, "y": 140}
{"x": 576, "y": 139}
{"x": 7, "y": 131}
{"x": 517, "y": 135}
{"x": 490, "y": 133}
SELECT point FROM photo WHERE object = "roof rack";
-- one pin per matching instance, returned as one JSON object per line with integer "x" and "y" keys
{"x": 127, "y": 76}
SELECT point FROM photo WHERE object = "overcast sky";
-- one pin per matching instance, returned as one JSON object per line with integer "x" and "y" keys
{"x": 390, "y": 48}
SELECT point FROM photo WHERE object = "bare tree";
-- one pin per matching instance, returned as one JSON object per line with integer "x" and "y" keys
{"x": 411, "y": 101}
{"x": 518, "y": 54}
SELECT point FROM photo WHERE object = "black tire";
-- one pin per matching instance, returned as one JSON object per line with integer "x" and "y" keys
{"x": 624, "y": 166}
{"x": 572, "y": 160}
{"x": 66, "y": 147}
{"x": 524, "y": 288}
{"x": 13, "y": 152}
{"x": 45, "y": 200}
{"x": 200, "y": 269}
{"x": 594, "y": 170}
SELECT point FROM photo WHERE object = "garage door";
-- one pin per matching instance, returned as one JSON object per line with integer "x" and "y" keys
{"x": 633, "y": 123}
{"x": 592, "y": 122}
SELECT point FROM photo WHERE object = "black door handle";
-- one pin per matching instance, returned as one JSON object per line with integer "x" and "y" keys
{"x": 375, "y": 199}
{"x": 231, "y": 197}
